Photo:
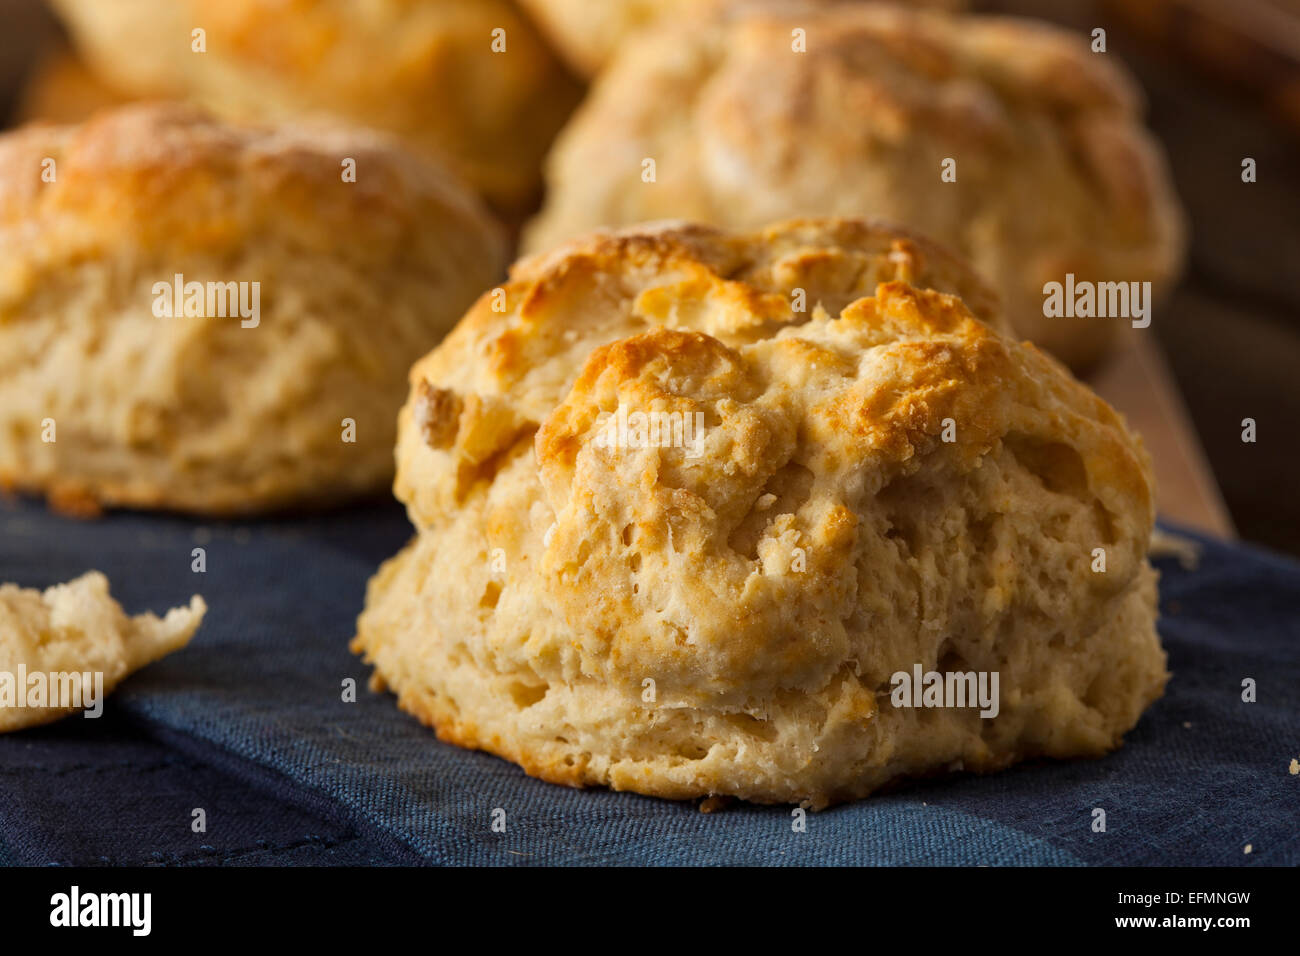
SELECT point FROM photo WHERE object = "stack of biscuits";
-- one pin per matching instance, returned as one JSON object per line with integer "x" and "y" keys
{"x": 765, "y": 446}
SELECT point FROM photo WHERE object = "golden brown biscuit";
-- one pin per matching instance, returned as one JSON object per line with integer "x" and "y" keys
{"x": 588, "y": 32}
{"x": 1054, "y": 174}
{"x": 718, "y": 600}
{"x": 62, "y": 648}
{"x": 424, "y": 69}
{"x": 192, "y": 313}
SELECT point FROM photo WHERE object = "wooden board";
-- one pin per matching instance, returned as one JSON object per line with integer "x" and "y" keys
{"x": 1138, "y": 383}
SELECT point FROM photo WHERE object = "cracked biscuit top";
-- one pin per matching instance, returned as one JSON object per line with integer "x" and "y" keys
{"x": 685, "y": 500}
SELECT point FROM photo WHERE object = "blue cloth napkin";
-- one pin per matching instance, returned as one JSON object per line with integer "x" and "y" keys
{"x": 249, "y": 724}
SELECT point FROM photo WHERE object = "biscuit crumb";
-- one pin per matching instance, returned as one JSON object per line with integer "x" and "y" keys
{"x": 437, "y": 414}
{"x": 74, "y": 501}
{"x": 1186, "y": 551}
{"x": 74, "y": 637}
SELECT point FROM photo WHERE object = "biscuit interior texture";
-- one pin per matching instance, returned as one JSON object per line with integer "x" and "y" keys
{"x": 877, "y": 482}
{"x": 77, "y": 628}
{"x": 1007, "y": 139}
{"x": 466, "y": 81}
{"x": 116, "y": 390}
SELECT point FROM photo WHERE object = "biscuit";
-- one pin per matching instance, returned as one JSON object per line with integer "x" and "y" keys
{"x": 427, "y": 71}
{"x": 53, "y": 638}
{"x": 1054, "y": 175}
{"x": 587, "y": 33}
{"x": 878, "y": 484}
{"x": 192, "y": 313}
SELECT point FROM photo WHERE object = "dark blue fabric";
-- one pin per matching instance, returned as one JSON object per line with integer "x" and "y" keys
{"x": 248, "y": 723}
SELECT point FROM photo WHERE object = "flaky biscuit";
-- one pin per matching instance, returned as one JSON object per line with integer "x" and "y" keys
{"x": 426, "y": 70}
{"x": 588, "y": 33}
{"x": 880, "y": 482}
{"x": 55, "y": 638}
{"x": 1054, "y": 173}
{"x": 105, "y": 399}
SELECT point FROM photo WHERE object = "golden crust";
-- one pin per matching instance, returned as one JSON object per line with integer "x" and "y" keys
{"x": 881, "y": 482}
{"x": 424, "y": 71}
{"x": 511, "y": 366}
{"x": 588, "y": 33}
{"x": 204, "y": 413}
{"x": 171, "y": 173}
{"x": 1054, "y": 173}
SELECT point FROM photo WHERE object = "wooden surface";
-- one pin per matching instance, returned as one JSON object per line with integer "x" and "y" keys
{"x": 1138, "y": 383}
{"x": 1253, "y": 45}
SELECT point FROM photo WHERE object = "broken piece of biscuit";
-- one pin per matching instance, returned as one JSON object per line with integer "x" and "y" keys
{"x": 63, "y": 649}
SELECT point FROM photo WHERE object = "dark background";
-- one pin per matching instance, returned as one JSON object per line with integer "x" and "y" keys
{"x": 1231, "y": 330}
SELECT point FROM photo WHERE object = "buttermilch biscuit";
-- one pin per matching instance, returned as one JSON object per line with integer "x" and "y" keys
{"x": 61, "y": 649}
{"x": 218, "y": 318}
{"x": 468, "y": 82}
{"x": 727, "y": 595}
{"x": 1007, "y": 139}
{"x": 588, "y": 33}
